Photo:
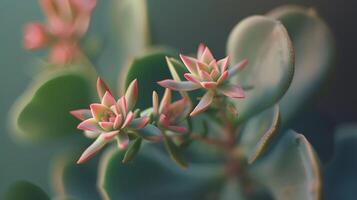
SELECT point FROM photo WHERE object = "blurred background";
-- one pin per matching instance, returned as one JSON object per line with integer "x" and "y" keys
{"x": 181, "y": 24}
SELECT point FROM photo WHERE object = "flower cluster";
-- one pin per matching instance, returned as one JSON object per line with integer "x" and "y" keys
{"x": 205, "y": 72}
{"x": 67, "y": 21}
{"x": 110, "y": 119}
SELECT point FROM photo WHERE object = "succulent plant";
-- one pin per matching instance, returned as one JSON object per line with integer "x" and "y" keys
{"x": 234, "y": 144}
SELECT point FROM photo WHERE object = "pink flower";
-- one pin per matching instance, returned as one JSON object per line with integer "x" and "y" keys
{"x": 205, "y": 72}
{"x": 171, "y": 115}
{"x": 109, "y": 119}
{"x": 67, "y": 22}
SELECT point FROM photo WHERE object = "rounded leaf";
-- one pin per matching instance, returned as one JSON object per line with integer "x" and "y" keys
{"x": 267, "y": 46}
{"x": 24, "y": 190}
{"x": 314, "y": 51}
{"x": 290, "y": 170}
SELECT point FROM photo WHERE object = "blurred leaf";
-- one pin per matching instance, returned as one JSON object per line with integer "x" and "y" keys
{"x": 73, "y": 180}
{"x": 258, "y": 132}
{"x": 42, "y": 113}
{"x": 153, "y": 176}
{"x": 148, "y": 70}
{"x": 314, "y": 52}
{"x": 340, "y": 173}
{"x": 267, "y": 46}
{"x": 232, "y": 191}
{"x": 24, "y": 190}
{"x": 175, "y": 152}
{"x": 133, "y": 149}
{"x": 290, "y": 170}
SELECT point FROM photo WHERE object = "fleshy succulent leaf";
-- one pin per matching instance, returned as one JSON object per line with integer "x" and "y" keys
{"x": 204, "y": 103}
{"x": 133, "y": 149}
{"x": 23, "y": 190}
{"x": 98, "y": 144}
{"x": 266, "y": 44}
{"x": 150, "y": 132}
{"x": 290, "y": 170}
{"x": 175, "y": 152}
{"x": 314, "y": 52}
{"x": 122, "y": 140}
{"x": 131, "y": 95}
{"x": 179, "y": 85}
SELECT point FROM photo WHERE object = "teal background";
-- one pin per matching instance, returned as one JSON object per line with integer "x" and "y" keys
{"x": 181, "y": 24}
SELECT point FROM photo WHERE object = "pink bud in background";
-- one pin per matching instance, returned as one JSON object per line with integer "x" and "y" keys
{"x": 63, "y": 52}
{"x": 35, "y": 36}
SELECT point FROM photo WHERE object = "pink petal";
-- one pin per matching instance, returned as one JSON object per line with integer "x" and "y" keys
{"x": 139, "y": 122}
{"x": 91, "y": 134}
{"x": 131, "y": 95}
{"x": 180, "y": 109}
{"x": 128, "y": 119}
{"x": 110, "y": 135}
{"x": 209, "y": 84}
{"x": 35, "y": 36}
{"x": 201, "y": 48}
{"x": 164, "y": 120}
{"x": 102, "y": 87}
{"x": 121, "y": 104}
{"x": 81, "y": 114}
{"x": 202, "y": 66}
{"x": 177, "y": 129}
{"x": 237, "y": 68}
{"x": 107, "y": 126}
{"x": 190, "y": 63}
{"x": 191, "y": 78}
{"x": 155, "y": 103}
{"x": 203, "y": 104}
{"x": 122, "y": 140}
{"x": 118, "y": 121}
{"x": 89, "y": 125}
{"x": 179, "y": 85}
{"x": 207, "y": 56}
{"x": 108, "y": 99}
{"x": 165, "y": 101}
{"x": 204, "y": 75}
{"x": 223, "y": 64}
{"x": 213, "y": 65}
{"x": 98, "y": 110}
{"x": 223, "y": 77}
{"x": 233, "y": 91}
{"x": 92, "y": 149}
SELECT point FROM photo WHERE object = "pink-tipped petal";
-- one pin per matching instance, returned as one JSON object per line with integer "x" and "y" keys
{"x": 201, "y": 48}
{"x": 121, "y": 104}
{"x": 91, "y": 134}
{"x": 139, "y": 122}
{"x": 128, "y": 119}
{"x": 81, "y": 114}
{"x": 106, "y": 126}
{"x": 131, "y": 95}
{"x": 223, "y": 77}
{"x": 206, "y": 56}
{"x": 209, "y": 84}
{"x": 98, "y": 110}
{"x": 122, "y": 140}
{"x": 110, "y": 135}
{"x": 155, "y": 103}
{"x": 164, "y": 120}
{"x": 237, "y": 68}
{"x": 35, "y": 36}
{"x": 204, "y": 75}
{"x": 89, "y": 125}
{"x": 118, "y": 121}
{"x": 92, "y": 149}
{"x": 179, "y": 85}
{"x": 180, "y": 109}
{"x": 190, "y": 63}
{"x": 233, "y": 91}
{"x": 108, "y": 99}
{"x": 191, "y": 78}
{"x": 165, "y": 101}
{"x": 213, "y": 65}
{"x": 223, "y": 64}
{"x": 202, "y": 66}
{"x": 214, "y": 74}
{"x": 204, "y": 103}
{"x": 177, "y": 129}
{"x": 102, "y": 87}
{"x": 85, "y": 6}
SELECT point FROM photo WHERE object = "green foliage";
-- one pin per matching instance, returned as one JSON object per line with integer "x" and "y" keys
{"x": 24, "y": 190}
{"x": 267, "y": 46}
{"x": 314, "y": 52}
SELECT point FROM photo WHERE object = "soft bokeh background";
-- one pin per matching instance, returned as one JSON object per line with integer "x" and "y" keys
{"x": 181, "y": 24}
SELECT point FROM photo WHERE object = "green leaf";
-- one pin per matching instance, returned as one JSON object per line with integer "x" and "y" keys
{"x": 24, "y": 190}
{"x": 258, "y": 132}
{"x": 133, "y": 149}
{"x": 340, "y": 174}
{"x": 290, "y": 170}
{"x": 150, "y": 132}
{"x": 232, "y": 190}
{"x": 73, "y": 180}
{"x": 314, "y": 52}
{"x": 148, "y": 70}
{"x": 175, "y": 152}
{"x": 42, "y": 113}
{"x": 153, "y": 176}
{"x": 267, "y": 46}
